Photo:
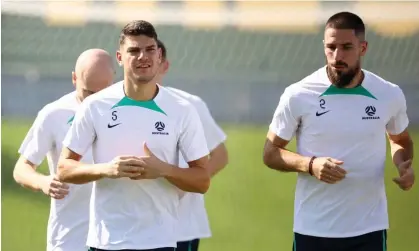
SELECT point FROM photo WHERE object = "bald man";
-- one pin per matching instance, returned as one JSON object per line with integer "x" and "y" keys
{"x": 69, "y": 212}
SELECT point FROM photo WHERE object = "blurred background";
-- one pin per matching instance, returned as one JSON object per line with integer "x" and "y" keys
{"x": 238, "y": 56}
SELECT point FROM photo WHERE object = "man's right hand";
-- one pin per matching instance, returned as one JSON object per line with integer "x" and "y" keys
{"x": 328, "y": 170}
{"x": 123, "y": 166}
{"x": 54, "y": 188}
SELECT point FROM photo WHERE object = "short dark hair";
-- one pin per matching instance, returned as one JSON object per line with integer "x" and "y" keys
{"x": 161, "y": 45}
{"x": 137, "y": 28}
{"x": 347, "y": 20}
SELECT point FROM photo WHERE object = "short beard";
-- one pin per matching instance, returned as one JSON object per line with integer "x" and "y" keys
{"x": 341, "y": 79}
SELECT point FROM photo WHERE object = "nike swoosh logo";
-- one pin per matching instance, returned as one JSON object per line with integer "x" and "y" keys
{"x": 112, "y": 126}
{"x": 321, "y": 113}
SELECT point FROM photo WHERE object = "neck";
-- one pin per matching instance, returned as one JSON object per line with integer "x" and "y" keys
{"x": 158, "y": 81}
{"x": 357, "y": 80}
{"x": 79, "y": 99}
{"x": 140, "y": 92}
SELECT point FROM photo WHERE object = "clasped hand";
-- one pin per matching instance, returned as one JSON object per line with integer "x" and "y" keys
{"x": 136, "y": 168}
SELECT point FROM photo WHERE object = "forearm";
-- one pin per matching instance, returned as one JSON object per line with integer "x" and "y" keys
{"x": 217, "y": 161}
{"x": 72, "y": 171}
{"x": 28, "y": 177}
{"x": 195, "y": 180}
{"x": 401, "y": 151}
{"x": 285, "y": 161}
{"x": 215, "y": 165}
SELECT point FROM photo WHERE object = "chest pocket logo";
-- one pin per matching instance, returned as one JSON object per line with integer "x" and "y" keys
{"x": 160, "y": 126}
{"x": 370, "y": 111}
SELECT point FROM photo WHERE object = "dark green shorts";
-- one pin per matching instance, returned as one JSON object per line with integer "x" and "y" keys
{"x": 191, "y": 245}
{"x": 374, "y": 241}
{"x": 157, "y": 249}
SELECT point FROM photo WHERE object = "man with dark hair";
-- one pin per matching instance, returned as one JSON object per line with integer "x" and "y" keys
{"x": 136, "y": 129}
{"x": 345, "y": 21}
{"x": 340, "y": 116}
{"x": 193, "y": 220}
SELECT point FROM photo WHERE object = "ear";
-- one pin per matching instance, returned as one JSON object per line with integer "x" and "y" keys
{"x": 119, "y": 58}
{"x": 364, "y": 48}
{"x": 166, "y": 65}
{"x": 74, "y": 78}
{"x": 160, "y": 56}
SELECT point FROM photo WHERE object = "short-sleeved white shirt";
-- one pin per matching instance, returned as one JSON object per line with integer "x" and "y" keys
{"x": 69, "y": 217}
{"x": 193, "y": 219}
{"x": 135, "y": 214}
{"x": 349, "y": 125}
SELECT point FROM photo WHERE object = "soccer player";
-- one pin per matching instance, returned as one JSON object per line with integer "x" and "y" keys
{"x": 193, "y": 219}
{"x": 341, "y": 115}
{"x": 69, "y": 212}
{"x": 136, "y": 129}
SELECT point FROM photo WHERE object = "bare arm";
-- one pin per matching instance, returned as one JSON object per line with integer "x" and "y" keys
{"x": 71, "y": 170}
{"x": 218, "y": 159}
{"x": 402, "y": 153}
{"x": 401, "y": 146}
{"x": 38, "y": 142}
{"x": 401, "y": 143}
{"x": 194, "y": 179}
{"x": 26, "y": 175}
{"x": 276, "y": 157}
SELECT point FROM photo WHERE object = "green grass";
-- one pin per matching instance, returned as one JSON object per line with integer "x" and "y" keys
{"x": 250, "y": 206}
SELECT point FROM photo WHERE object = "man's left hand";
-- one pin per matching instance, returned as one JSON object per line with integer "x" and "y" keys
{"x": 152, "y": 167}
{"x": 407, "y": 175}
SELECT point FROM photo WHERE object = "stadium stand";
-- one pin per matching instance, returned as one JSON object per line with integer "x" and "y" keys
{"x": 260, "y": 60}
{"x": 276, "y": 15}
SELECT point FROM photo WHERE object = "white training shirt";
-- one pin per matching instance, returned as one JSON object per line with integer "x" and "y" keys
{"x": 69, "y": 217}
{"x": 193, "y": 219}
{"x": 349, "y": 125}
{"x": 135, "y": 214}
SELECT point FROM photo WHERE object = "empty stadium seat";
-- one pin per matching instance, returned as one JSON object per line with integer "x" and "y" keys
{"x": 406, "y": 13}
{"x": 68, "y": 13}
{"x": 276, "y": 15}
{"x": 206, "y": 14}
{"x": 134, "y": 10}
{"x": 226, "y": 52}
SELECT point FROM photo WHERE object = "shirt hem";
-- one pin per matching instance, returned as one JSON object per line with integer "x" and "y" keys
{"x": 51, "y": 247}
{"x": 33, "y": 159}
{"x": 343, "y": 235}
{"x": 281, "y": 133}
{"x": 140, "y": 247}
{"x": 213, "y": 146}
{"x": 197, "y": 156}
{"x": 73, "y": 148}
{"x": 193, "y": 237}
{"x": 397, "y": 132}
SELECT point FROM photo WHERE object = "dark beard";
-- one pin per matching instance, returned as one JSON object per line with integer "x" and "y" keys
{"x": 340, "y": 79}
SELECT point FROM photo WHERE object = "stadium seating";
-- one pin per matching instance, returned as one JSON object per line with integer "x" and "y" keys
{"x": 208, "y": 55}
{"x": 52, "y": 50}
